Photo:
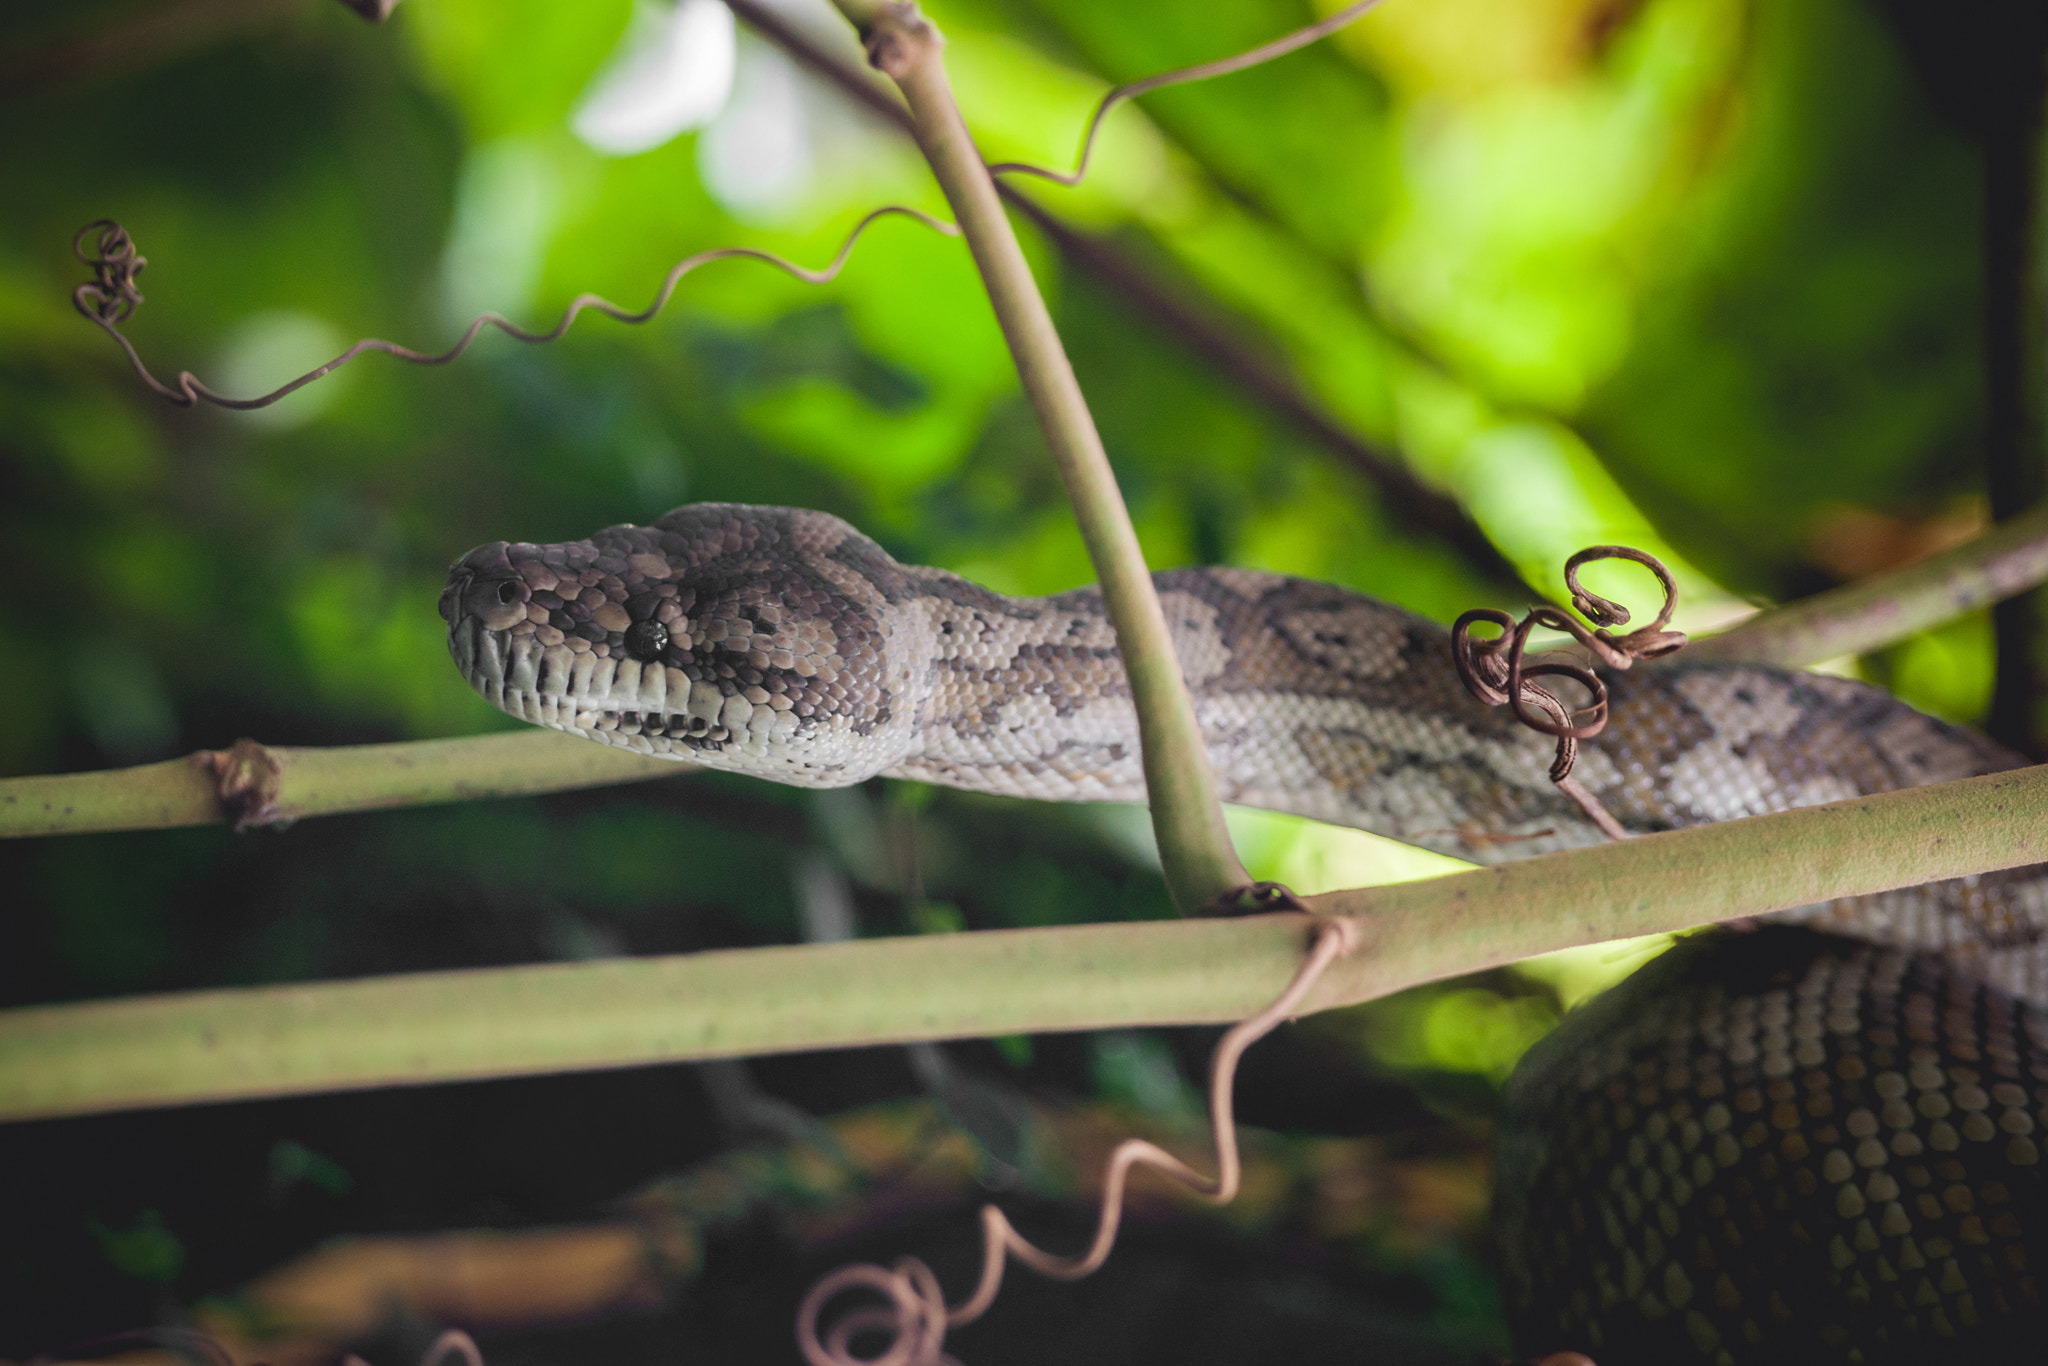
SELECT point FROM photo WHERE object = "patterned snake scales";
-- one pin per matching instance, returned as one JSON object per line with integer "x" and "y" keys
{"x": 1782, "y": 1145}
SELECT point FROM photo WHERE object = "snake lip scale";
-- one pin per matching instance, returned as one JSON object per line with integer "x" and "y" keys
{"x": 783, "y": 643}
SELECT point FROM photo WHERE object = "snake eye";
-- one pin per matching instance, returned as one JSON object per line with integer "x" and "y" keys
{"x": 507, "y": 592}
{"x": 646, "y": 640}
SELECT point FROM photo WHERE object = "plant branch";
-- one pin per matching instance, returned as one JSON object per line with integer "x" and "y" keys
{"x": 1887, "y": 608}
{"x": 316, "y": 782}
{"x": 1187, "y": 815}
{"x": 447, "y": 1026}
{"x": 1408, "y": 501}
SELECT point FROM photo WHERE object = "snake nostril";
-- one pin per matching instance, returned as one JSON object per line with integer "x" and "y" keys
{"x": 496, "y": 601}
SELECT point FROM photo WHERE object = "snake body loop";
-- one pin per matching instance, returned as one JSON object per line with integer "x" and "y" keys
{"x": 785, "y": 644}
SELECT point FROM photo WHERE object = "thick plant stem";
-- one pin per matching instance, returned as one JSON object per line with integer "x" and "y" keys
{"x": 319, "y": 782}
{"x": 1187, "y": 815}
{"x": 1887, "y": 608}
{"x": 447, "y": 1026}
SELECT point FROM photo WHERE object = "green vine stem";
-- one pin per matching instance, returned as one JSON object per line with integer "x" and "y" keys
{"x": 1887, "y": 608}
{"x": 318, "y": 782}
{"x": 1187, "y": 815}
{"x": 494, "y": 1022}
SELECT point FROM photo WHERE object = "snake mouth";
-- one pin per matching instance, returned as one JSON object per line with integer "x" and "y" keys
{"x": 634, "y": 638}
{"x": 645, "y": 706}
{"x": 539, "y": 643}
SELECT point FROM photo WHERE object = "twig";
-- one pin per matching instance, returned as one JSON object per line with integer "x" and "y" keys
{"x": 1195, "y": 850}
{"x": 857, "y": 83}
{"x": 1889, "y": 607}
{"x": 1408, "y": 502}
{"x": 445, "y": 1026}
{"x": 111, "y": 296}
{"x": 319, "y": 782}
{"x": 918, "y": 1315}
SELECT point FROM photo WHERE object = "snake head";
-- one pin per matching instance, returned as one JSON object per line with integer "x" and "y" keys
{"x": 750, "y": 639}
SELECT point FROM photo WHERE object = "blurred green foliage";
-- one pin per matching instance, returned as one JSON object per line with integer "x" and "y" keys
{"x": 149, "y": 1251}
{"x": 1697, "y": 275}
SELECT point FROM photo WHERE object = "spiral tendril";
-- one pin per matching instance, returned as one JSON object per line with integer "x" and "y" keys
{"x": 915, "y": 1314}
{"x": 1495, "y": 672}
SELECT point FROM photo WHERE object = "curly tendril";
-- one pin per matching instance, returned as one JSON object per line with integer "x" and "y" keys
{"x": 110, "y": 297}
{"x": 914, "y": 1313}
{"x": 1494, "y": 671}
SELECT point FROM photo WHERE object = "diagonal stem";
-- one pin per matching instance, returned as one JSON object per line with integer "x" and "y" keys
{"x": 1187, "y": 816}
{"x": 1887, "y": 608}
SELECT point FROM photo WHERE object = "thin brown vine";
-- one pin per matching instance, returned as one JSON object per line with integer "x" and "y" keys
{"x": 916, "y": 1314}
{"x": 111, "y": 297}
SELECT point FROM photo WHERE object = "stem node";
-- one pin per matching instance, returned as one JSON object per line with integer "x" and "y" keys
{"x": 899, "y": 38}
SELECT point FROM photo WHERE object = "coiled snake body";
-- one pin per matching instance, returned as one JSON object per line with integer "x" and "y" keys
{"x": 1789, "y": 1143}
